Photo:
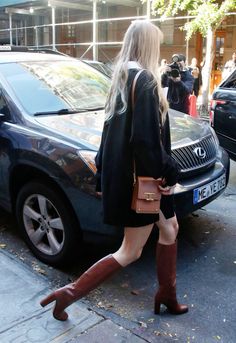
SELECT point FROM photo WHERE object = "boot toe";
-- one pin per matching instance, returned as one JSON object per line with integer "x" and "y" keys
{"x": 179, "y": 309}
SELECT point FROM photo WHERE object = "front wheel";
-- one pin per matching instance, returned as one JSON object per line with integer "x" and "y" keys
{"x": 47, "y": 224}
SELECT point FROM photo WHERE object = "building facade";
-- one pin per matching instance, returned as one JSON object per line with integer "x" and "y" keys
{"x": 94, "y": 29}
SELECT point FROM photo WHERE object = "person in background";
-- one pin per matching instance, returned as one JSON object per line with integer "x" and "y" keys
{"x": 229, "y": 66}
{"x": 195, "y": 71}
{"x": 163, "y": 65}
{"x": 141, "y": 134}
{"x": 180, "y": 83}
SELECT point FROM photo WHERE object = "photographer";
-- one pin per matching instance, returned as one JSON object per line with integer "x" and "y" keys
{"x": 179, "y": 81}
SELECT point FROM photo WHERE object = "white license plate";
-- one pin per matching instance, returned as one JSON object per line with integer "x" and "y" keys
{"x": 206, "y": 191}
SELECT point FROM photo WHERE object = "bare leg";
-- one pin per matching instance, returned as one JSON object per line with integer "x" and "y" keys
{"x": 168, "y": 229}
{"x": 131, "y": 248}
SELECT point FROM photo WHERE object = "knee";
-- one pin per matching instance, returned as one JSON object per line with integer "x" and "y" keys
{"x": 125, "y": 257}
{"x": 169, "y": 233}
{"x": 176, "y": 228}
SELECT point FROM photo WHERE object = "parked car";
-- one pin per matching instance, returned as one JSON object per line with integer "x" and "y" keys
{"x": 223, "y": 114}
{"x": 51, "y": 119}
{"x": 102, "y": 67}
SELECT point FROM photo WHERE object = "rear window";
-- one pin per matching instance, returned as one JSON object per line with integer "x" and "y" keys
{"x": 230, "y": 82}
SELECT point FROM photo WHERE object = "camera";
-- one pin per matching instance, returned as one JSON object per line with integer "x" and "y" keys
{"x": 175, "y": 70}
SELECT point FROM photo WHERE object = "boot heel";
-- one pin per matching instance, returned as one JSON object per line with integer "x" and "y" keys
{"x": 157, "y": 308}
{"x": 50, "y": 298}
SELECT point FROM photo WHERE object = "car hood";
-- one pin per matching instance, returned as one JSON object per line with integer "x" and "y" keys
{"x": 85, "y": 128}
{"x": 186, "y": 130}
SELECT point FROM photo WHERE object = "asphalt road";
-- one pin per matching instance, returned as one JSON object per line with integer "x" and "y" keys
{"x": 205, "y": 281}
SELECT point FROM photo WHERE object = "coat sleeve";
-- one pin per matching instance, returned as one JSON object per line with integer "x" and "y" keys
{"x": 188, "y": 82}
{"x": 98, "y": 160}
{"x": 149, "y": 152}
{"x": 171, "y": 168}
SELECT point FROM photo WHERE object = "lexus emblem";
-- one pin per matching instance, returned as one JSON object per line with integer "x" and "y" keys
{"x": 200, "y": 152}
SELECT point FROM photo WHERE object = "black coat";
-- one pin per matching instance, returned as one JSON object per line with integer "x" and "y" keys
{"x": 130, "y": 136}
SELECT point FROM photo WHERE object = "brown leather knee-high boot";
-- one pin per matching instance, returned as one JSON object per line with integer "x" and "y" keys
{"x": 88, "y": 281}
{"x": 166, "y": 273}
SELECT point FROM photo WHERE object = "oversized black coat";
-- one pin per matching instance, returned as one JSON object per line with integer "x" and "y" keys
{"x": 128, "y": 136}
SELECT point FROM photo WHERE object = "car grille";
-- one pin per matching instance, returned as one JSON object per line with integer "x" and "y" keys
{"x": 189, "y": 161}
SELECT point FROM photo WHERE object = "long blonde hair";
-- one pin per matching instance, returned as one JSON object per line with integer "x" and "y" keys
{"x": 141, "y": 44}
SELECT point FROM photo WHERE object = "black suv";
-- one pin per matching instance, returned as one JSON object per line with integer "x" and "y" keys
{"x": 223, "y": 114}
{"x": 51, "y": 119}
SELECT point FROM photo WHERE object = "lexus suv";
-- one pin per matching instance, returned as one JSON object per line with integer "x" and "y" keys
{"x": 223, "y": 114}
{"x": 51, "y": 119}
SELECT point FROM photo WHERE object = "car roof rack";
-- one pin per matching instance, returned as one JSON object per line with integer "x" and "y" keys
{"x": 22, "y": 48}
{"x": 46, "y": 51}
{"x": 6, "y": 48}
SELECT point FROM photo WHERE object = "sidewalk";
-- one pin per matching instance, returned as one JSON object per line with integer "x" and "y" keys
{"x": 22, "y": 319}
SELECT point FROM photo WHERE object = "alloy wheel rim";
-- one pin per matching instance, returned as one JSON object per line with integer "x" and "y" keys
{"x": 43, "y": 224}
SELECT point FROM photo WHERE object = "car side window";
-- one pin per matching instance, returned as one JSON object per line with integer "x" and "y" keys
{"x": 230, "y": 82}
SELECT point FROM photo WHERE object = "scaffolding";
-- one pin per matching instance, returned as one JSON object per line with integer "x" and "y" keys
{"x": 46, "y": 35}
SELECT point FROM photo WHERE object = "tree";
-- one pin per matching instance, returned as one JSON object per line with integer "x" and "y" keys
{"x": 205, "y": 17}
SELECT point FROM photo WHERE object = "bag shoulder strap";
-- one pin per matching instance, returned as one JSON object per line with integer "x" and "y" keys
{"x": 132, "y": 102}
{"x": 133, "y": 87}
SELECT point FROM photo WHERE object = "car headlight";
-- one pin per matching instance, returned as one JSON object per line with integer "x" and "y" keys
{"x": 88, "y": 156}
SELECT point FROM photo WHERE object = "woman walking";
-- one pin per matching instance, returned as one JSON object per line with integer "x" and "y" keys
{"x": 137, "y": 133}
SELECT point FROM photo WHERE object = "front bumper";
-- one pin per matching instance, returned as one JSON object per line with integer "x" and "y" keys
{"x": 184, "y": 189}
{"x": 89, "y": 208}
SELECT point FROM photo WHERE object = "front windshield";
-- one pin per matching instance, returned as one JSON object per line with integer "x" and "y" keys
{"x": 52, "y": 86}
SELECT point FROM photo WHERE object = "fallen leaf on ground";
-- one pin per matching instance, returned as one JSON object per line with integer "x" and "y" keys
{"x": 143, "y": 325}
{"x": 109, "y": 305}
{"x": 157, "y": 333}
{"x": 39, "y": 270}
{"x": 134, "y": 292}
{"x": 151, "y": 320}
{"x": 100, "y": 304}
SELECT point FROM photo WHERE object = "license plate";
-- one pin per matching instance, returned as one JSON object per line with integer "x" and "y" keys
{"x": 206, "y": 191}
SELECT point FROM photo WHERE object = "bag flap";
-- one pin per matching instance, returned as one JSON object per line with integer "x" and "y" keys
{"x": 148, "y": 188}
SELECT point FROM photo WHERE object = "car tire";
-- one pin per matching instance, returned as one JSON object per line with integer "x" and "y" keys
{"x": 47, "y": 224}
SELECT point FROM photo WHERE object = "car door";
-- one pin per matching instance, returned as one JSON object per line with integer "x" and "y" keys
{"x": 5, "y": 151}
{"x": 224, "y": 106}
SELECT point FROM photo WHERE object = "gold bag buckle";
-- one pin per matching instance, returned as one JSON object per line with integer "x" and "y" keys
{"x": 149, "y": 196}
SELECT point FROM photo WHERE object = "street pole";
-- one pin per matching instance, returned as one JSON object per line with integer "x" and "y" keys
{"x": 53, "y": 29}
{"x": 148, "y": 9}
{"x": 10, "y": 27}
{"x": 95, "y": 48}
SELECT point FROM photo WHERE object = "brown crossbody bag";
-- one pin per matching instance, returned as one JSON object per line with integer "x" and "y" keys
{"x": 146, "y": 196}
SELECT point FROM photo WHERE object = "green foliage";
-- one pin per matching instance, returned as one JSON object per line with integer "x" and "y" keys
{"x": 206, "y": 14}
